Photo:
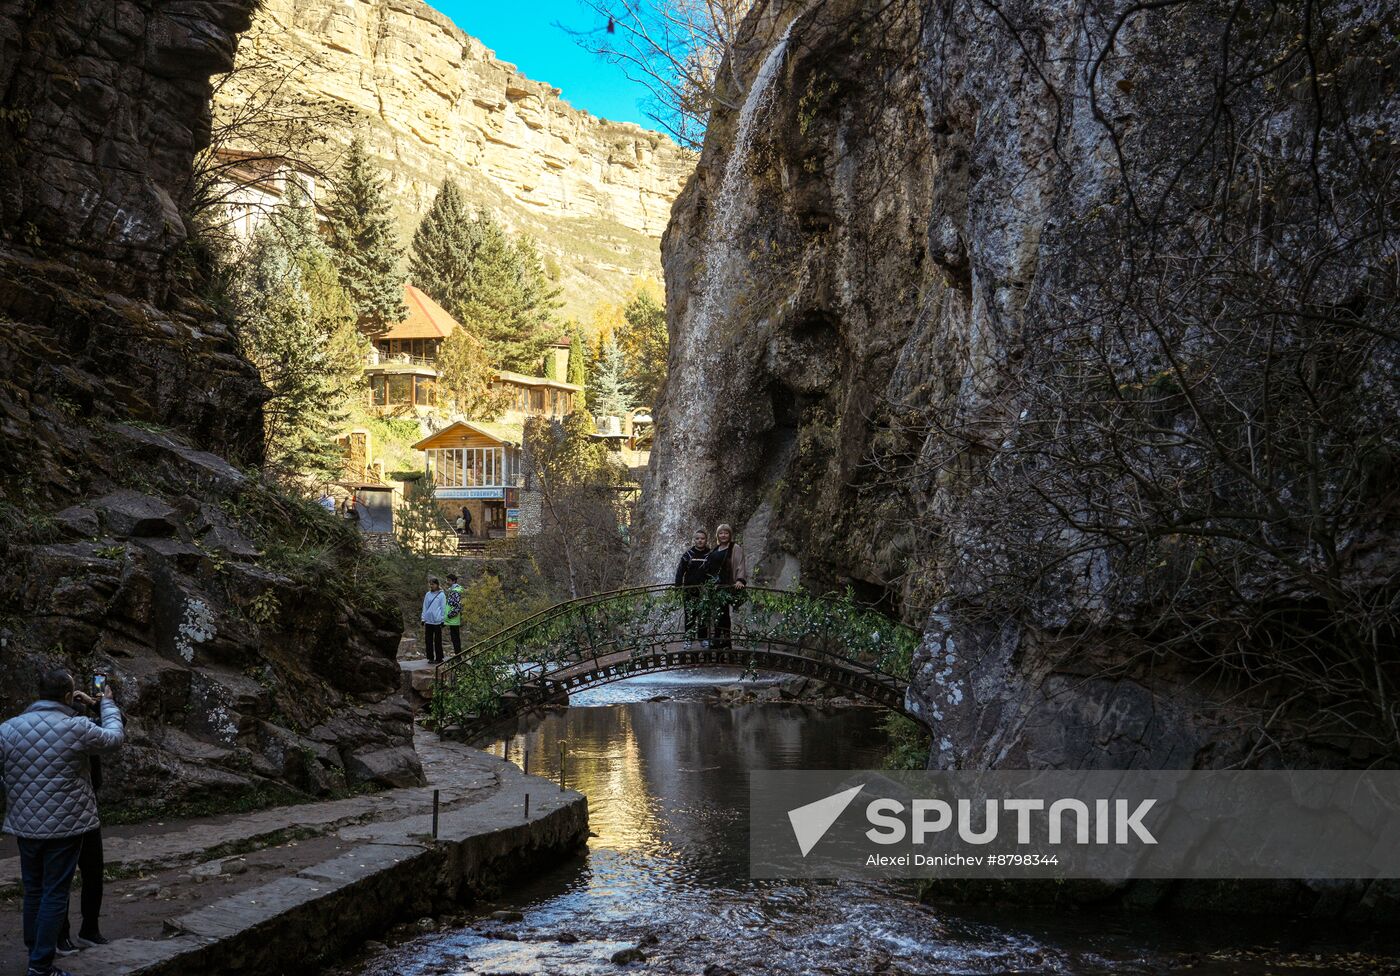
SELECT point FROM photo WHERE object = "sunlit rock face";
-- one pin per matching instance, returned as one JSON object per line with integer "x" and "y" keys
{"x": 888, "y": 219}
{"x": 433, "y": 102}
{"x": 128, "y": 425}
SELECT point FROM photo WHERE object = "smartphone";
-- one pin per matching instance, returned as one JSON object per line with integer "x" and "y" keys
{"x": 98, "y": 680}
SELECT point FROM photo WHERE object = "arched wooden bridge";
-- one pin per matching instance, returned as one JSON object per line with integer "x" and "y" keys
{"x": 604, "y": 638}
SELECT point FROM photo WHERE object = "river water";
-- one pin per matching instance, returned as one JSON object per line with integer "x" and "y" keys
{"x": 667, "y": 785}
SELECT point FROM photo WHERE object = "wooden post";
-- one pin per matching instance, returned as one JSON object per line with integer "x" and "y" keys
{"x": 437, "y": 801}
{"x": 526, "y": 768}
{"x": 527, "y": 806}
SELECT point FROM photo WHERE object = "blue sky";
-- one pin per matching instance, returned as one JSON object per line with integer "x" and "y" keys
{"x": 532, "y": 35}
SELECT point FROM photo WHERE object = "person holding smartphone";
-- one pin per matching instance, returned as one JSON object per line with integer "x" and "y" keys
{"x": 49, "y": 801}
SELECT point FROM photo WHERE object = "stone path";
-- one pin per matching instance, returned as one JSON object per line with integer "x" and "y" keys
{"x": 226, "y": 894}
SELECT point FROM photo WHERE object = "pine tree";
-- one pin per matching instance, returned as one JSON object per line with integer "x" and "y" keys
{"x": 297, "y": 326}
{"x": 511, "y": 302}
{"x": 552, "y": 368}
{"x": 444, "y": 251}
{"x": 644, "y": 342}
{"x": 365, "y": 243}
{"x": 614, "y": 396}
{"x": 578, "y": 357}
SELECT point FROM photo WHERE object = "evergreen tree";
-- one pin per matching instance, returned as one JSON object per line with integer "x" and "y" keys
{"x": 644, "y": 343}
{"x": 578, "y": 357}
{"x": 297, "y": 326}
{"x": 496, "y": 286}
{"x": 444, "y": 251}
{"x": 365, "y": 243}
{"x": 595, "y": 363}
{"x": 511, "y": 301}
{"x": 552, "y": 369}
{"x": 613, "y": 394}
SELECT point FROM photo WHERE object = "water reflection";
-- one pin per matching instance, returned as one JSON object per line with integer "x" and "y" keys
{"x": 667, "y": 783}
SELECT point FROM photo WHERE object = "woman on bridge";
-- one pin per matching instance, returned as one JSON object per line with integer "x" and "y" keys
{"x": 728, "y": 567}
{"x": 691, "y": 574}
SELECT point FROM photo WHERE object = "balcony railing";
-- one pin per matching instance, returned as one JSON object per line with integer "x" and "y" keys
{"x": 401, "y": 359}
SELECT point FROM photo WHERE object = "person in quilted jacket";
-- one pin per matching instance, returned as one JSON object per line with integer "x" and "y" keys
{"x": 49, "y": 801}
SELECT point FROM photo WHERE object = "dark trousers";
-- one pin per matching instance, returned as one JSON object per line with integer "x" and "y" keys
{"x": 722, "y": 625}
{"x": 697, "y": 623}
{"x": 454, "y": 631}
{"x": 432, "y": 642}
{"x": 90, "y": 866}
{"x": 46, "y": 870}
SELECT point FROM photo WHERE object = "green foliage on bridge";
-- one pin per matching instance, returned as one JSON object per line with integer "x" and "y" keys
{"x": 629, "y": 625}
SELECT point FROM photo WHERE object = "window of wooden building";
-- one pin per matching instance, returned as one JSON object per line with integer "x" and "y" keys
{"x": 402, "y": 390}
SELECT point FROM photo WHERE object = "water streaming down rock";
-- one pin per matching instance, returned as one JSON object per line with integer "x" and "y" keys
{"x": 676, "y": 505}
{"x": 930, "y": 232}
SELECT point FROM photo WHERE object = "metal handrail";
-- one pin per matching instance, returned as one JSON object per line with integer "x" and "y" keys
{"x": 481, "y": 663}
{"x": 560, "y": 609}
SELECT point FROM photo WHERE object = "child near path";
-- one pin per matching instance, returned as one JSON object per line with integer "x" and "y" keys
{"x": 454, "y": 612}
{"x": 691, "y": 574}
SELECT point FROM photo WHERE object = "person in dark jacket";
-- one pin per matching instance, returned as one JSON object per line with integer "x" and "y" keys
{"x": 728, "y": 568}
{"x": 690, "y": 573}
{"x": 49, "y": 802}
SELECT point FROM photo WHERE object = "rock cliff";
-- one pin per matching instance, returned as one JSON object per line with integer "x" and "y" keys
{"x": 963, "y": 297}
{"x": 433, "y": 103}
{"x": 252, "y": 664}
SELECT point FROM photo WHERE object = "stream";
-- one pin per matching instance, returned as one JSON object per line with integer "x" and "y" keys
{"x": 667, "y": 785}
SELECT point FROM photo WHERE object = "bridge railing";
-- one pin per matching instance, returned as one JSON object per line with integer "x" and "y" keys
{"x": 637, "y": 621}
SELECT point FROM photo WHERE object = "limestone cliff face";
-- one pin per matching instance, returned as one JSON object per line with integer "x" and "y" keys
{"x": 871, "y": 282}
{"x": 433, "y": 103}
{"x": 132, "y": 539}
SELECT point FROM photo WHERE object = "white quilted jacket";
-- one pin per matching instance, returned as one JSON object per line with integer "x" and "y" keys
{"x": 44, "y": 766}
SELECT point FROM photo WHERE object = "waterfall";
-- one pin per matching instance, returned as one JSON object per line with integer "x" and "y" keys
{"x": 688, "y": 399}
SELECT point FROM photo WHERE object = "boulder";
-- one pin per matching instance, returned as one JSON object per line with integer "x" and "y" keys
{"x": 129, "y": 514}
{"x": 397, "y": 766}
{"x": 77, "y": 521}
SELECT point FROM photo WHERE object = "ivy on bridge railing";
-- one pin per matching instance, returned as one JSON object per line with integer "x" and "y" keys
{"x": 641, "y": 621}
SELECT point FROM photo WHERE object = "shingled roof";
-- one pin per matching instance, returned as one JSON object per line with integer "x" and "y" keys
{"x": 426, "y": 319}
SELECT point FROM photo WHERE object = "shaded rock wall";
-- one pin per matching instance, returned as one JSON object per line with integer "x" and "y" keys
{"x": 102, "y": 108}
{"x": 877, "y": 248}
{"x": 131, "y": 538}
